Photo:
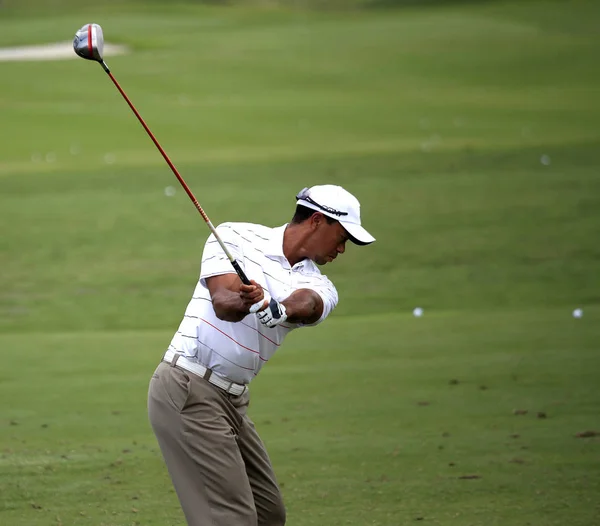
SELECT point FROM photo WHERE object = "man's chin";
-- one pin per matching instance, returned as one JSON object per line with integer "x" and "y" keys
{"x": 324, "y": 261}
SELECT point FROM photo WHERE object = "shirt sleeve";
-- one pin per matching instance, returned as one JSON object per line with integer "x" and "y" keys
{"x": 214, "y": 260}
{"x": 326, "y": 289}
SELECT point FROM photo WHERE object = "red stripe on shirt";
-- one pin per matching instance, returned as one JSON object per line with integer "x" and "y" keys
{"x": 265, "y": 337}
{"x": 234, "y": 341}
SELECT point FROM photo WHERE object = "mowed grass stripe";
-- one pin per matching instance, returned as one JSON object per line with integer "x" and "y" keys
{"x": 378, "y": 74}
{"x": 53, "y": 162}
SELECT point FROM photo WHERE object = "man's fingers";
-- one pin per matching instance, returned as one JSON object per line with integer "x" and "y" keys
{"x": 249, "y": 288}
{"x": 257, "y": 307}
{"x": 273, "y": 315}
{"x": 248, "y": 302}
{"x": 261, "y": 303}
{"x": 253, "y": 296}
{"x": 252, "y": 292}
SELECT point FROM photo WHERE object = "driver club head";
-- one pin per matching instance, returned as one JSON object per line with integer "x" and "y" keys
{"x": 89, "y": 42}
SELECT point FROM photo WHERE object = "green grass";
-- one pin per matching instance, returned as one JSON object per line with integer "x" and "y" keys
{"x": 377, "y": 433}
{"x": 438, "y": 118}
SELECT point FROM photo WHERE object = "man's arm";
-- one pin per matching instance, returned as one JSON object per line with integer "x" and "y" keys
{"x": 229, "y": 302}
{"x": 232, "y": 300}
{"x": 303, "y": 306}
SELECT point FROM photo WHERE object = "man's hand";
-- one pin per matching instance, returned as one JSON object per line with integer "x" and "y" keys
{"x": 268, "y": 311}
{"x": 233, "y": 301}
{"x": 274, "y": 314}
{"x": 253, "y": 296}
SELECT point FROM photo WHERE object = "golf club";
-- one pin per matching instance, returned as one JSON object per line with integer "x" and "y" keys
{"x": 89, "y": 44}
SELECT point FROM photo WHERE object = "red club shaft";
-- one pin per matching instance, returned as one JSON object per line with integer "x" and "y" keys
{"x": 235, "y": 264}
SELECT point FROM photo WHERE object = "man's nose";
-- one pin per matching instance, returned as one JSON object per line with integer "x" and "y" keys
{"x": 341, "y": 248}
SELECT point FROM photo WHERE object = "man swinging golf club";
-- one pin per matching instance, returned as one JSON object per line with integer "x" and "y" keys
{"x": 198, "y": 396}
{"x": 256, "y": 285}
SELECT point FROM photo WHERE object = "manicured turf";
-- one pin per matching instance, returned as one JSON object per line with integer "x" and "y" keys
{"x": 469, "y": 132}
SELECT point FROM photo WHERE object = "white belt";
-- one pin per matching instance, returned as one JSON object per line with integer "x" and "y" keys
{"x": 178, "y": 360}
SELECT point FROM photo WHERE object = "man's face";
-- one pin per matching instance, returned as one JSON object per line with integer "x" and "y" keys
{"x": 329, "y": 241}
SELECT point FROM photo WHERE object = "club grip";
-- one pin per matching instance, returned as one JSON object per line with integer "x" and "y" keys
{"x": 240, "y": 272}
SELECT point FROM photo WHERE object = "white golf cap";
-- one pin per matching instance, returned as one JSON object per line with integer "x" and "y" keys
{"x": 333, "y": 201}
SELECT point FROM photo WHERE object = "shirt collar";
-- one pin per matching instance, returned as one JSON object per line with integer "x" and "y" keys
{"x": 274, "y": 247}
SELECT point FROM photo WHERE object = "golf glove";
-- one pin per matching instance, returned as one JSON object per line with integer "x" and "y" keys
{"x": 259, "y": 305}
{"x": 273, "y": 315}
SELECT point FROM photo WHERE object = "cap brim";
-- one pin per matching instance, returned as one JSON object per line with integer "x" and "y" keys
{"x": 358, "y": 235}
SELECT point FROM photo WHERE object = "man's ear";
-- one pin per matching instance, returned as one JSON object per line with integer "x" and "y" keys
{"x": 316, "y": 219}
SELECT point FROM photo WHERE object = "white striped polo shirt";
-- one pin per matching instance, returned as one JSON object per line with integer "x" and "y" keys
{"x": 238, "y": 351}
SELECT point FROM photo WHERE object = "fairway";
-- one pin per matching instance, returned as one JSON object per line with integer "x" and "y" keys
{"x": 469, "y": 131}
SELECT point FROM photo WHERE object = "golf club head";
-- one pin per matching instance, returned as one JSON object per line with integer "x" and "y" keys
{"x": 89, "y": 42}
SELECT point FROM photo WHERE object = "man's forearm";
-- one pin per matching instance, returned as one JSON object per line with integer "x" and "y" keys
{"x": 303, "y": 306}
{"x": 229, "y": 306}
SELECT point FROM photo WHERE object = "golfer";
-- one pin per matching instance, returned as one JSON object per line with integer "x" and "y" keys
{"x": 198, "y": 396}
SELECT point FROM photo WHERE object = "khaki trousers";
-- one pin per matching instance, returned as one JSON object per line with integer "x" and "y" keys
{"x": 217, "y": 462}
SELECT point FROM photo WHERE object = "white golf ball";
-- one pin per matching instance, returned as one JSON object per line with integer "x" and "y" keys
{"x": 545, "y": 160}
{"x": 418, "y": 311}
{"x": 169, "y": 191}
{"x": 577, "y": 313}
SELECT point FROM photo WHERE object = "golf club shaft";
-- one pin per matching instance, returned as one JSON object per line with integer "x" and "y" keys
{"x": 233, "y": 261}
